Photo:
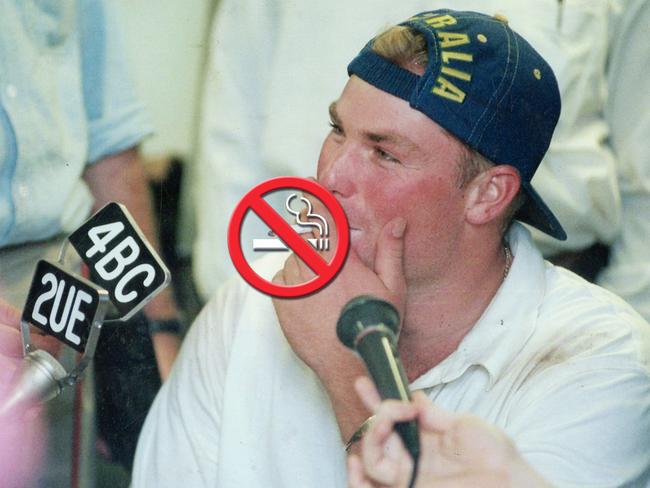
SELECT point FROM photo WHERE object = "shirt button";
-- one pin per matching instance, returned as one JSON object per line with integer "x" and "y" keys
{"x": 11, "y": 91}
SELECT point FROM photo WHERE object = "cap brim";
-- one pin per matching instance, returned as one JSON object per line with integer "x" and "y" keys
{"x": 535, "y": 212}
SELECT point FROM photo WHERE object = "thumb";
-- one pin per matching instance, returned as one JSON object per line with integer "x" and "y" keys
{"x": 389, "y": 260}
{"x": 10, "y": 342}
{"x": 9, "y": 315}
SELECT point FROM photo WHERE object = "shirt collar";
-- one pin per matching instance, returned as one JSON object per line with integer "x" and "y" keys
{"x": 506, "y": 324}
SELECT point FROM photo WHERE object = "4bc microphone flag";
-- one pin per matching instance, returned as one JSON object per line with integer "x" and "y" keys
{"x": 120, "y": 259}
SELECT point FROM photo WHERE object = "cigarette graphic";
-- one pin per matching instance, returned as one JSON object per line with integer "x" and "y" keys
{"x": 275, "y": 244}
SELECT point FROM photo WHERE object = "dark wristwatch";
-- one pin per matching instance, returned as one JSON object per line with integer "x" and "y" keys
{"x": 168, "y": 326}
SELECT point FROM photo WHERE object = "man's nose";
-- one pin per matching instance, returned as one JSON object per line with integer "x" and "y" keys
{"x": 337, "y": 168}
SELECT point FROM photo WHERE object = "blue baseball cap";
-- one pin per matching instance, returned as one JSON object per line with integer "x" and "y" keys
{"x": 486, "y": 85}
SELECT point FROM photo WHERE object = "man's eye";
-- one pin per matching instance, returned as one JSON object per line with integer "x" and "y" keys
{"x": 336, "y": 129}
{"x": 386, "y": 156}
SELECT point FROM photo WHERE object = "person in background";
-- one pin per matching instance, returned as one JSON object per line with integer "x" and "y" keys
{"x": 628, "y": 271}
{"x": 264, "y": 91}
{"x": 70, "y": 126}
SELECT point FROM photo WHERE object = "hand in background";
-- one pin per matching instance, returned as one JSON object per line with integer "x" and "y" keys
{"x": 455, "y": 450}
{"x": 10, "y": 317}
{"x": 22, "y": 435}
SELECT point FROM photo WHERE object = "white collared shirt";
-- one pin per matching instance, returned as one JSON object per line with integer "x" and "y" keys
{"x": 559, "y": 364}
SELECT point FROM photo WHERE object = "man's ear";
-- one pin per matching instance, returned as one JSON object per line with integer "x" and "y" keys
{"x": 490, "y": 193}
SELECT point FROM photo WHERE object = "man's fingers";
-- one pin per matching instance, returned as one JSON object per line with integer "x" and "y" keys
{"x": 10, "y": 342}
{"x": 383, "y": 454}
{"x": 356, "y": 476}
{"x": 9, "y": 315}
{"x": 393, "y": 410}
{"x": 368, "y": 393}
{"x": 330, "y": 232}
{"x": 389, "y": 260}
{"x": 389, "y": 413}
{"x": 278, "y": 278}
{"x": 465, "y": 480}
{"x": 294, "y": 272}
{"x": 431, "y": 416}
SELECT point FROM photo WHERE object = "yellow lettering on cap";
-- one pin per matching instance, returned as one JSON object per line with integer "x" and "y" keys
{"x": 441, "y": 21}
{"x": 456, "y": 73}
{"x": 448, "y": 55}
{"x": 448, "y": 90}
{"x": 451, "y": 39}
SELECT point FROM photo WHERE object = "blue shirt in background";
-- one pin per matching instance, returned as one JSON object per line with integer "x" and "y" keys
{"x": 66, "y": 100}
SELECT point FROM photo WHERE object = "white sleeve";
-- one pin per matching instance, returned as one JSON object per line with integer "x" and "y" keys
{"x": 628, "y": 112}
{"x": 578, "y": 178}
{"x": 179, "y": 443}
{"x": 117, "y": 119}
{"x": 233, "y": 118}
{"x": 628, "y": 107}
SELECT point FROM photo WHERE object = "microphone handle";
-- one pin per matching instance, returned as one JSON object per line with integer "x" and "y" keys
{"x": 382, "y": 361}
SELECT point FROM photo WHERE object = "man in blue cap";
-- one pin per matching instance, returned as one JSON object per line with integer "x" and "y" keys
{"x": 433, "y": 146}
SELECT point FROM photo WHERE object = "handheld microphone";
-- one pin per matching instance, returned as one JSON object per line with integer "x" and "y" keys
{"x": 370, "y": 326}
{"x": 38, "y": 379}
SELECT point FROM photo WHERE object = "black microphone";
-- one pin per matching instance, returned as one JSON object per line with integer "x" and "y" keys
{"x": 370, "y": 326}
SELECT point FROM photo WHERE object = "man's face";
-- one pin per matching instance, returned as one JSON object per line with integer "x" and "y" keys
{"x": 382, "y": 160}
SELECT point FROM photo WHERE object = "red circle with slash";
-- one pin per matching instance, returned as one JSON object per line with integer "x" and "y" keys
{"x": 254, "y": 200}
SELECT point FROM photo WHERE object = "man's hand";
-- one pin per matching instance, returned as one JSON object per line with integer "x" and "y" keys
{"x": 455, "y": 450}
{"x": 309, "y": 323}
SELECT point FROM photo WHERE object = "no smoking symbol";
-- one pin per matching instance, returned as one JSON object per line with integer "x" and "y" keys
{"x": 254, "y": 201}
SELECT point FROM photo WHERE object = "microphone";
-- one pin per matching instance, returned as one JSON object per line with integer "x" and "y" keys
{"x": 38, "y": 380}
{"x": 69, "y": 308}
{"x": 126, "y": 272}
{"x": 369, "y": 326}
